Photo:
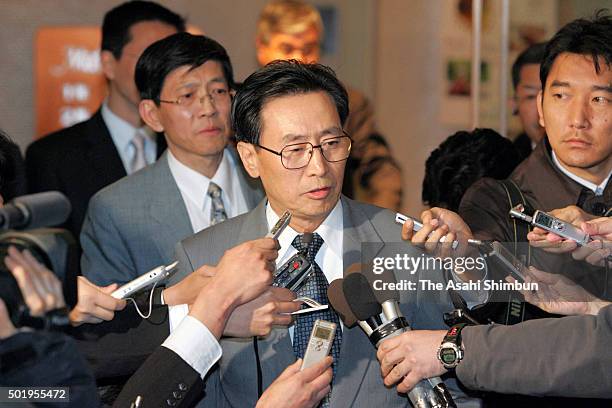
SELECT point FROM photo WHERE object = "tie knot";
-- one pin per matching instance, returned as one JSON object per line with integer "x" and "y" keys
{"x": 138, "y": 140}
{"x": 214, "y": 190}
{"x": 308, "y": 243}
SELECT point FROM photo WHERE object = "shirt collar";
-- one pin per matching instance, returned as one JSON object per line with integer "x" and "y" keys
{"x": 597, "y": 189}
{"x": 195, "y": 185}
{"x": 120, "y": 130}
{"x": 331, "y": 230}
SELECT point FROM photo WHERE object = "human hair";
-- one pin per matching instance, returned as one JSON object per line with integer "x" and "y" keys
{"x": 462, "y": 159}
{"x": 288, "y": 17}
{"x": 118, "y": 21}
{"x": 175, "y": 51}
{"x": 277, "y": 79}
{"x": 368, "y": 169}
{"x": 377, "y": 139}
{"x": 588, "y": 37}
{"x": 534, "y": 54}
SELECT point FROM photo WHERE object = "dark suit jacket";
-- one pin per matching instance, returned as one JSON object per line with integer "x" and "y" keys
{"x": 49, "y": 359}
{"x": 46, "y": 359}
{"x": 164, "y": 379}
{"x": 567, "y": 357}
{"x": 13, "y": 177}
{"x": 78, "y": 161}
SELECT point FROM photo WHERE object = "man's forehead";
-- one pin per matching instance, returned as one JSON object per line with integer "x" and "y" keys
{"x": 146, "y": 32}
{"x": 186, "y": 74}
{"x": 569, "y": 68}
{"x": 295, "y": 119}
{"x": 530, "y": 73}
{"x": 310, "y": 34}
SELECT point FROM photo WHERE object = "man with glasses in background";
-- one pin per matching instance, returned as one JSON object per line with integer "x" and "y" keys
{"x": 132, "y": 226}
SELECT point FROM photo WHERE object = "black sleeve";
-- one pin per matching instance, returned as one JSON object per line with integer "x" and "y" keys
{"x": 46, "y": 359}
{"x": 118, "y": 347}
{"x": 164, "y": 379}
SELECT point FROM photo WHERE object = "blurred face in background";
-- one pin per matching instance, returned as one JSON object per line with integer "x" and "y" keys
{"x": 525, "y": 98}
{"x": 384, "y": 188}
{"x": 304, "y": 47}
{"x": 120, "y": 71}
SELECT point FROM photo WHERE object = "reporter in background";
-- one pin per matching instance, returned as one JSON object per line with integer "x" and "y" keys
{"x": 53, "y": 361}
{"x": 566, "y": 357}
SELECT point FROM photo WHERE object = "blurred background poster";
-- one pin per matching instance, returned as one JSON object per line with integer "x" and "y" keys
{"x": 530, "y": 22}
{"x": 69, "y": 85}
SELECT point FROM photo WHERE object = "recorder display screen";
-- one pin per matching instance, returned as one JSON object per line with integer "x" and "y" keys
{"x": 322, "y": 333}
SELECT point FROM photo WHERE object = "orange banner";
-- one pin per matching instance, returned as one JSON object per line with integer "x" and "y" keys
{"x": 68, "y": 79}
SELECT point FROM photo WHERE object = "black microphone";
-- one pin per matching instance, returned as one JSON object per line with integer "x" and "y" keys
{"x": 431, "y": 393}
{"x": 35, "y": 210}
{"x": 336, "y": 298}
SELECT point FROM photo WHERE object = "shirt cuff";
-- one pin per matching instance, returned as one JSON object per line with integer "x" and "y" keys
{"x": 195, "y": 344}
{"x": 176, "y": 314}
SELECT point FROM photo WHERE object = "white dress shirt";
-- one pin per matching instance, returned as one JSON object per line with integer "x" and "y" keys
{"x": 330, "y": 255}
{"x": 122, "y": 133}
{"x": 195, "y": 344}
{"x": 597, "y": 189}
{"x": 194, "y": 190}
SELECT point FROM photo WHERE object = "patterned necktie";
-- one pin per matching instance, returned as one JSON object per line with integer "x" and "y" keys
{"x": 138, "y": 160}
{"x": 315, "y": 288}
{"x": 217, "y": 209}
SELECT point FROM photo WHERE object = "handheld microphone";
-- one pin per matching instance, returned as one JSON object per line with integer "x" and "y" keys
{"x": 35, "y": 210}
{"x": 339, "y": 304}
{"x": 365, "y": 306}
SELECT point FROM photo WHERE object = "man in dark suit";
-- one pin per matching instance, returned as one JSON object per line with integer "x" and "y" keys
{"x": 80, "y": 160}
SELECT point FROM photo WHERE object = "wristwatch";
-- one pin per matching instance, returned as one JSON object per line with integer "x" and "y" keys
{"x": 450, "y": 352}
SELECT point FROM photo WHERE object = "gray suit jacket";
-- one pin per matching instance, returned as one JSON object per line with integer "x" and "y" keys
{"x": 133, "y": 225}
{"x": 565, "y": 357}
{"x": 358, "y": 382}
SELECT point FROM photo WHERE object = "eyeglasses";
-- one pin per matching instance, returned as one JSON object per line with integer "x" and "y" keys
{"x": 298, "y": 155}
{"x": 188, "y": 99}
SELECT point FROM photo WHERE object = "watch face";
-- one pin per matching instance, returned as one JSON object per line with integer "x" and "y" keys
{"x": 448, "y": 355}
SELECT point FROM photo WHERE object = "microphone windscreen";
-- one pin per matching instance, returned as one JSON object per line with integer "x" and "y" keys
{"x": 45, "y": 209}
{"x": 359, "y": 296}
{"x": 338, "y": 302}
{"x": 387, "y": 276}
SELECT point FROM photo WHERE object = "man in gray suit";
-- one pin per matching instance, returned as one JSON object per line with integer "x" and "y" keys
{"x": 289, "y": 118}
{"x": 132, "y": 226}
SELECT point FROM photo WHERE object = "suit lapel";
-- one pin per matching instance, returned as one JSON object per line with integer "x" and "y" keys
{"x": 356, "y": 352}
{"x": 102, "y": 153}
{"x": 167, "y": 208}
{"x": 276, "y": 351}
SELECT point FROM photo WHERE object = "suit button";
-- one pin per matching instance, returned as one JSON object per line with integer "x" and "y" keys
{"x": 171, "y": 402}
{"x": 182, "y": 387}
{"x": 599, "y": 209}
{"x": 178, "y": 395}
